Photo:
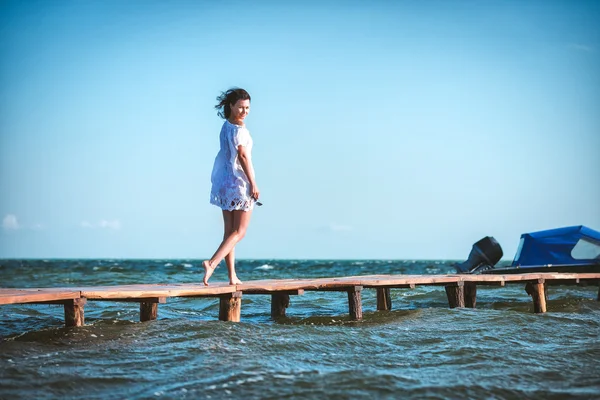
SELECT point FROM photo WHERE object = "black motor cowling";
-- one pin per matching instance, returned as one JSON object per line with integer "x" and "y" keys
{"x": 484, "y": 255}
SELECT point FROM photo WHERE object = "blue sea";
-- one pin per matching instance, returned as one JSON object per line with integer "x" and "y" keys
{"x": 419, "y": 350}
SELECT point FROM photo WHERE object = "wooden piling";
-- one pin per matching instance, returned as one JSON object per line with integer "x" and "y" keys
{"x": 537, "y": 291}
{"x": 355, "y": 303}
{"x": 279, "y": 302}
{"x": 149, "y": 308}
{"x": 456, "y": 295}
{"x": 470, "y": 289}
{"x": 230, "y": 307}
{"x": 74, "y": 315}
{"x": 384, "y": 300}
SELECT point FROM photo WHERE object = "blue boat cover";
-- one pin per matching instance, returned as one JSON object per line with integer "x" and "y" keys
{"x": 569, "y": 245}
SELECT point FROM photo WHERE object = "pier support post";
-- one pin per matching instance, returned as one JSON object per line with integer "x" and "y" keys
{"x": 230, "y": 307}
{"x": 279, "y": 302}
{"x": 74, "y": 315}
{"x": 470, "y": 294}
{"x": 149, "y": 308}
{"x": 355, "y": 303}
{"x": 456, "y": 295}
{"x": 537, "y": 291}
{"x": 384, "y": 301}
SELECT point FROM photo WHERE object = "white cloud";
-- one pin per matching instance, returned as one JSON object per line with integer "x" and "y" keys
{"x": 10, "y": 222}
{"x": 103, "y": 224}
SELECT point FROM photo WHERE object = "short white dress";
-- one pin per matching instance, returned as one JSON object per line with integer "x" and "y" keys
{"x": 230, "y": 186}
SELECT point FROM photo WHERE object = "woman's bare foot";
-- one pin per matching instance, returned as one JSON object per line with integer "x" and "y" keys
{"x": 235, "y": 281}
{"x": 208, "y": 271}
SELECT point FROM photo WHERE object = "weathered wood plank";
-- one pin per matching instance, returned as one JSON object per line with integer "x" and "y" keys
{"x": 135, "y": 300}
{"x": 406, "y": 280}
{"x": 230, "y": 307}
{"x": 295, "y": 292}
{"x": 333, "y": 284}
{"x": 384, "y": 299}
{"x": 22, "y": 296}
{"x": 142, "y": 291}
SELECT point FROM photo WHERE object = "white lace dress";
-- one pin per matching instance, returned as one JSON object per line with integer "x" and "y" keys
{"x": 230, "y": 186}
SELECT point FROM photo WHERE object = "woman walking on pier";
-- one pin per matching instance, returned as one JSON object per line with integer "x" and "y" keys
{"x": 234, "y": 187}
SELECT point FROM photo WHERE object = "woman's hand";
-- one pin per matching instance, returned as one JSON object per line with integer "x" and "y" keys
{"x": 254, "y": 192}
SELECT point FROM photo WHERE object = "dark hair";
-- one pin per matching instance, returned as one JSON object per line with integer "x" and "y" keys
{"x": 229, "y": 97}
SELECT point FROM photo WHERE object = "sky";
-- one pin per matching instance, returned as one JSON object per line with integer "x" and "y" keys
{"x": 382, "y": 129}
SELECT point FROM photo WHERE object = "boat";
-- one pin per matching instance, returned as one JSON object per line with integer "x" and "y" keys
{"x": 567, "y": 249}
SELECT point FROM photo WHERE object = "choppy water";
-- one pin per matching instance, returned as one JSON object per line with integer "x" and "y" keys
{"x": 421, "y": 349}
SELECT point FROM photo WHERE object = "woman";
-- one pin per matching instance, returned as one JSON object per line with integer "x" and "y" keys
{"x": 234, "y": 187}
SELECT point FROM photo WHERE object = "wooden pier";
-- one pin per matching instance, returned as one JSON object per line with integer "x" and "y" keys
{"x": 461, "y": 291}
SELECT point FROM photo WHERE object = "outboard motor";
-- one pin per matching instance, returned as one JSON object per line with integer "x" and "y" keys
{"x": 484, "y": 255}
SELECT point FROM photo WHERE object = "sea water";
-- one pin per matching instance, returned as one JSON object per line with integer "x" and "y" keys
{"x": 420, "y": 349}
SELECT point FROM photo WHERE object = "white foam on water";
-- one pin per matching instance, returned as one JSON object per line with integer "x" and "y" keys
{"x": 168, "y": 265}
{"x": 186, "y": 265}
{"x": 265, "y": 267}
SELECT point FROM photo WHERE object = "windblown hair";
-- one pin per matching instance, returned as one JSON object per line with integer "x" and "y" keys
{"x": 227, "y": 98}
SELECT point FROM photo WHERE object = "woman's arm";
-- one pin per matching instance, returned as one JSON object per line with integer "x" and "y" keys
{"x": 246, "y": 163}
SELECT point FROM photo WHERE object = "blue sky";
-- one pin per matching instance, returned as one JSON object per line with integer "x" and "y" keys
{"x": 405, "y": 129}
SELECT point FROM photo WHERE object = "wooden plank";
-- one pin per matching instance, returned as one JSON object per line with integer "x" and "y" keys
{"x": 136, "y": 300}
{"x": 145, "y": 291}
{"x": 322, "y": 284}
{"x": 500, "y": 279}
{"x": 407, "y": 280}
{"x": 566, "y": 275}
{"x": 294, "y": 292}
{"x": 22, "y": 296}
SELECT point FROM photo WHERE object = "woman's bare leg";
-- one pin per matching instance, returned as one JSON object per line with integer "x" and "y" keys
{"x": 230, "y": 258}
{"x": 241, "y": 220}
